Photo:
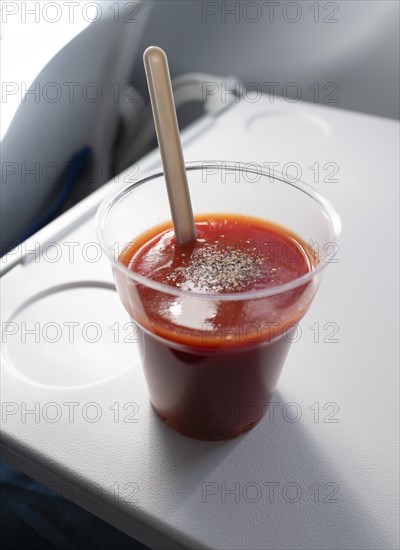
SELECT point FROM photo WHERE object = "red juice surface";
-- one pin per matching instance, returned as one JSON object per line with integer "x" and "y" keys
{"x": 211, "y": 365}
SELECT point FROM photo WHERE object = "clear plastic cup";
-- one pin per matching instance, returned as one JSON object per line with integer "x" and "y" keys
{"x": 206, "y": 381}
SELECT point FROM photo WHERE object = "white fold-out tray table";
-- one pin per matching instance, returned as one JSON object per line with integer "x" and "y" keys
{"x": 319, "y": 471}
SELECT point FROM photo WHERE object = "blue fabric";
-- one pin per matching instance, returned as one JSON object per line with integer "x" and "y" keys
{"x": 74, "y": 169}
{"x": 33, "y": 517}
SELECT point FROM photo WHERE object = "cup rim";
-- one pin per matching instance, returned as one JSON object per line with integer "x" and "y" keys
{"x": 113, "y": 198}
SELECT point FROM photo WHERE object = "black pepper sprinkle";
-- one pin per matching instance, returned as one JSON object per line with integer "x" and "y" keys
{"x": 212, "y": 269}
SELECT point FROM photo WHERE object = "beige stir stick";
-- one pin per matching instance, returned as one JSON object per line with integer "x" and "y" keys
{"x": 164, "y": 113}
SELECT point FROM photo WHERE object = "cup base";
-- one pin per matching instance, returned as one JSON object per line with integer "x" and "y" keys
{"x": 211, "y": 396}
{"x": 199, "y": 437}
